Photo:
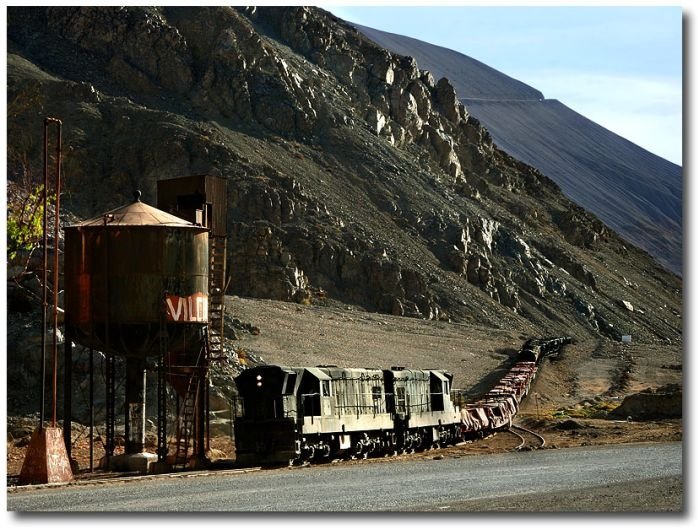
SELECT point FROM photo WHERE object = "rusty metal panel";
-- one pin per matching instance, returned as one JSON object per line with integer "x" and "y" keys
{"x": 116, "y": 276}
{"x": 185, "y": 195}
{"x": 187, "y": 309}
{"x": 136, "y": 266}
{"x": 479, "y": 419}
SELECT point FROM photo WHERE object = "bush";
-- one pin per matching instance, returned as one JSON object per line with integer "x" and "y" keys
{"x": 25, "y": 212}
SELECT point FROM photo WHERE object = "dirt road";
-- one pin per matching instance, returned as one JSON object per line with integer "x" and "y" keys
{"x": 431, "y": 482}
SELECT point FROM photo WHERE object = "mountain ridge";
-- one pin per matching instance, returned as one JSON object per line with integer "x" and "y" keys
{"x": 645, "y": 207}
{"x": 444, "y": 62}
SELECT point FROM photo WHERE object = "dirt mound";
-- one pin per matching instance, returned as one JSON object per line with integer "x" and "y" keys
{"x": 660, "y": 403}
{"x": 569, "y": 424}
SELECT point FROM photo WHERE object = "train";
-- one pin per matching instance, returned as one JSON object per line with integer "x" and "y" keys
{"x": 295, "y": 415}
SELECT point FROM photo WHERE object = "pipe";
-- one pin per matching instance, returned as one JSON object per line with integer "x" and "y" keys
{"x": 67, "y": 392}
{"x": 55, "y": 272}
{"x": 135, "y": 409}
{"x": 92, "y": 411}
{"x": 44, "y": 280}
{"x": 110, "y": 378}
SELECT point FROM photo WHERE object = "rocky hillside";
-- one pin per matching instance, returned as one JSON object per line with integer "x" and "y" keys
{"x": 634, "y": 192}
{"x": 353, "y": 174}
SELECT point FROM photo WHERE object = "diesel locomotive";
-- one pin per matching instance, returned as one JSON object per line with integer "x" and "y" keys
{"x": 298, "y": 414}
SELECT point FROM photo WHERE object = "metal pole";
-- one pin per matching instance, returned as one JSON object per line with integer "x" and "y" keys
{"x": 135, "y": 408}
{"x": 201, "y": 409}
{"x": 111, "y": 375}
{"x": 110, "y": 379}
{"x": 230, "y": 414}
{"x": 162, "y": 400}
{"x": 205, "y": 381}
{"x": 207, "y": 424}
{"x": 92, "y": 411}
{"x": 67, "y": 392}
{"x": 55, "y": 276}
{"x": 44, "y": 280}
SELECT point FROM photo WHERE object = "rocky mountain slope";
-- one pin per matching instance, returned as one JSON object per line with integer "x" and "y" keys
{"x": 634, "y": 192}
{"x": 353, "y": 175}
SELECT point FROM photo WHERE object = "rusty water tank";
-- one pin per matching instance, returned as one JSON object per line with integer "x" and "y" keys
{"x": 129, "y": 273}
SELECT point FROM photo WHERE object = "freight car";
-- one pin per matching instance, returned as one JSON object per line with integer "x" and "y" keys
{"x": 296, "y": 414}
{"x": 536, "y": 348}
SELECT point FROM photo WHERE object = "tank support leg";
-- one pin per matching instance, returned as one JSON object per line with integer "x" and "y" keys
{"x": 135, "y": 421}
{"x": 162, "y": 411}
{"x": 67, "y": 392}
{"x": 110, "y": 379}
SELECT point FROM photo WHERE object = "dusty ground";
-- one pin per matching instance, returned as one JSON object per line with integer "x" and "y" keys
{"x": 589, "y": 432}
{"x": 586, "y": 381}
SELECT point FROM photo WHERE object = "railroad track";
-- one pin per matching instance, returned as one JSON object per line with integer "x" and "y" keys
{"x": 529, "y": 440}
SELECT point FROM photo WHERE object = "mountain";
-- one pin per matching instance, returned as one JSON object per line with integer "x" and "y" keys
{"x": 354, "y": 177}
{"x": 634, "y": 192}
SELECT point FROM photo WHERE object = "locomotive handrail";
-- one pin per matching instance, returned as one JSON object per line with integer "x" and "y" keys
{"x": 374, "y": 407}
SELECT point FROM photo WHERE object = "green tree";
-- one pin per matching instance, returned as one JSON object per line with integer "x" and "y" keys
{"x": 25, "y": 210}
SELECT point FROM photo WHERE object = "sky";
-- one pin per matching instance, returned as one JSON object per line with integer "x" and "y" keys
{"x": 621, "y": 67}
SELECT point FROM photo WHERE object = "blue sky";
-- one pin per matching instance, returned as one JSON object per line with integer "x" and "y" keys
{"x": 621, "y": 67}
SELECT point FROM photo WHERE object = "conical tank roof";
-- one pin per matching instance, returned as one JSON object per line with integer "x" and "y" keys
{"x": 136, "y": 214}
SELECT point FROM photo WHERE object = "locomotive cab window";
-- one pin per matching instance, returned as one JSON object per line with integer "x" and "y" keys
{"x": 438, "y": 384}
{"x": 401, "y": 399}
{"x": 310, "y": 404}
{"x": 314, "y": 384}
{"x": 377, "y": 399}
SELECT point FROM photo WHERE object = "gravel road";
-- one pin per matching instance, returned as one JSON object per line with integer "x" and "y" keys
{"x": 554, "y": 480}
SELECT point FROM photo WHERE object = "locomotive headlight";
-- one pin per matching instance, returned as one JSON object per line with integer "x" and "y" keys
{"x": 259, "y": 384}
{"x": 259, "y": 379}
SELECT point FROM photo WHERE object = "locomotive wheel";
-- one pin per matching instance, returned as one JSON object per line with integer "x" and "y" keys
{"x": 359, "y": 451}
{"x": 325, "y": 452}
{"x": 423, "y": 442}
{"x": 390, "y": 445}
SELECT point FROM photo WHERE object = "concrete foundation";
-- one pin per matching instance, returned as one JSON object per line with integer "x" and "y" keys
{"x": 140, "y": 462}
{"x": 47, "y": 459}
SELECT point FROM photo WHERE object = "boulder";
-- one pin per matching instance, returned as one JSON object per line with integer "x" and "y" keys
{"x": 627, "y": 305}
{"x": 446, "y": 100}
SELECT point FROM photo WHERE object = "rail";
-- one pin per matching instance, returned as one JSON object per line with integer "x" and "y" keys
{"x": 541, "y": 440}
